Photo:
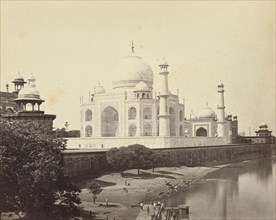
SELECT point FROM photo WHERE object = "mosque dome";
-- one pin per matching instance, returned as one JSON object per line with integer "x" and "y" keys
{"x": 206, "y": 112}
{"x": 132, "y": 70}
{"x": 142, "y": 86}
{"x": 263, "y": 125}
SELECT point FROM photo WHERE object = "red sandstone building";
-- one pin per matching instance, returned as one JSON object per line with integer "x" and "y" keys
{"x": 263, "y": 135}
{"x": 23, "y": 103}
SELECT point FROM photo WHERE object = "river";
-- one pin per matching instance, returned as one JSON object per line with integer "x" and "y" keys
{"x": 245, "y": 190}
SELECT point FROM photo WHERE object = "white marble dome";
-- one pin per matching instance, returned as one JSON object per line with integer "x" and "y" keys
{"x": 99, "y": 90}
{"x": 131, "y": 70}
{"x": 192, "y": 115}
{"x": 206, "y": 112}
{"x": 142, "y": 86}
{"x": 29, "y": 92}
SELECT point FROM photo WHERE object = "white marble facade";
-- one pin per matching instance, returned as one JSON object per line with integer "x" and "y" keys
{"x": 131, "y": 109}
{"x": 130, "y": 113}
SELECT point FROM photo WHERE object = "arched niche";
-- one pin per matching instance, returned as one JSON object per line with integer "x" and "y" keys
{"x": 132, "y": 113}
{"x": 201, "y": 132}
{"x": 132, "y": 130}
{"x": 109, "y": 122}
{"x": 172, "y": 122}
{"x": 147, "y": 130}
{"x": 147, "y": 113}
{"x": 180, "y": 115}
{"x": 181, "y": 130}
{"x": 88, "y": 131}
{"x": 88, "y": 115}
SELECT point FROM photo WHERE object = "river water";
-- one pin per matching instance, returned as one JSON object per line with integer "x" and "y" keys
{"x": 245, "y": 190}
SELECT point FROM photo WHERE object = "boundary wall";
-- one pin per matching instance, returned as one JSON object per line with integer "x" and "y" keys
{"x": 149, "y": 141}
{"x": 92, "y": 163}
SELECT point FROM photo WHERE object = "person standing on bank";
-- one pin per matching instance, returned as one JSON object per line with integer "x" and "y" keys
{"x": 141, "y": 205}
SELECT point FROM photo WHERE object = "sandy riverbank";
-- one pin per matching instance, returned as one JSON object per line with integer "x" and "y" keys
{"x": 145, "y": 188}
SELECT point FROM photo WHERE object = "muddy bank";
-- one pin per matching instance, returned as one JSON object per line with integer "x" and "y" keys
{"x": 127, "y": 189}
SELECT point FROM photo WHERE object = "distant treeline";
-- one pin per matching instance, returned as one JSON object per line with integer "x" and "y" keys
{"x": 63, "y": 133}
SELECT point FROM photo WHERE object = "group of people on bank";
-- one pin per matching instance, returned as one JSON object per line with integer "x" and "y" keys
{"x": 154, "y": 210}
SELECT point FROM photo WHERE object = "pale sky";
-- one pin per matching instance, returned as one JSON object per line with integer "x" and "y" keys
{"x": 71, "y": 46}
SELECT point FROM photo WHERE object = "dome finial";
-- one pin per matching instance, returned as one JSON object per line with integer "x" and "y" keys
{"x": 19, "y": 75}
{"x": 32, "y": 80}
{"x": 132, "y": 47}
{"x": 165, "y": 61}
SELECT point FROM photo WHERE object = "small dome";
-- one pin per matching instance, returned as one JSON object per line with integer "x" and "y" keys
{"x": 19, "y": 76}
{"x": 99, "y": 90}
{"x": 192, "y": 115}
{"x": 19, "y": 79}
{"x": 207, "y": 112}
{"x": 263, "y": 125}
{"x": 131, "y": 70}
{"x": 29, "y": 92}
{"x": 142, "y": 86}
{"x": 165, "y": 63}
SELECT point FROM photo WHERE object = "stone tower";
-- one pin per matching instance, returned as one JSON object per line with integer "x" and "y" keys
{"x": 164, "y": 117}
{"x": 221, "y": 111}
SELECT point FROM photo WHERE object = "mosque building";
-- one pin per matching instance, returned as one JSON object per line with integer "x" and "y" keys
{"x": 132, "y": 114}
{"x": 263, "y": 135}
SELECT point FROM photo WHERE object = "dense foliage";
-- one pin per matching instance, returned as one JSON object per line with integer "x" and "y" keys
{"x": 134, "y": 156}
{"x": 118, "y": 159}
{"x": 32, "y": 178}
{"x": 140, "y": 156}
{"x": 63, "y": 133}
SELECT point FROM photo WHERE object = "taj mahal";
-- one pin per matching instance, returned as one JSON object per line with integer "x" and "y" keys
{"x": 132, "y": 114}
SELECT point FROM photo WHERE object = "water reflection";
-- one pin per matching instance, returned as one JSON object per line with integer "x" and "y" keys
{"x": 243, "y": 190}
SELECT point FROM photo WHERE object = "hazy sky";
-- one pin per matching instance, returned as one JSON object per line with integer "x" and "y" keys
{"x": 71, "y": 46}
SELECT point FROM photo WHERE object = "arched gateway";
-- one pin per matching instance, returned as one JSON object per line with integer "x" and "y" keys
{"x": 201, "y": 132}
{"x": 109, "y": 122}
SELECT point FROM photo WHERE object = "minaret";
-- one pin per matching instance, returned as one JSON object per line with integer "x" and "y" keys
{"x": 221, "y": 112}
{"x": 132, "y": 47}
{"x": 164, "y": 117}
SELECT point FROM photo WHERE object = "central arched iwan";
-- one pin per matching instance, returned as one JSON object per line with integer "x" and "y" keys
{"x": 109, "y": 122}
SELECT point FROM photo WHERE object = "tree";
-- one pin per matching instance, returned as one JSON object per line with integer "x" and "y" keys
{"x": 133, "y": 156}
{"x": 163, "y": 159}
{"x": 118, "y": 158}
{"x": 73, "y": 133}
{"x": 242, "y": 133}
{"x": 95, "y": 189}
{"x": 32, "y": 178}
{"x": 63, "y": 133}
{"x": 140, "y": 156}
{"x": 158, "y": 159}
